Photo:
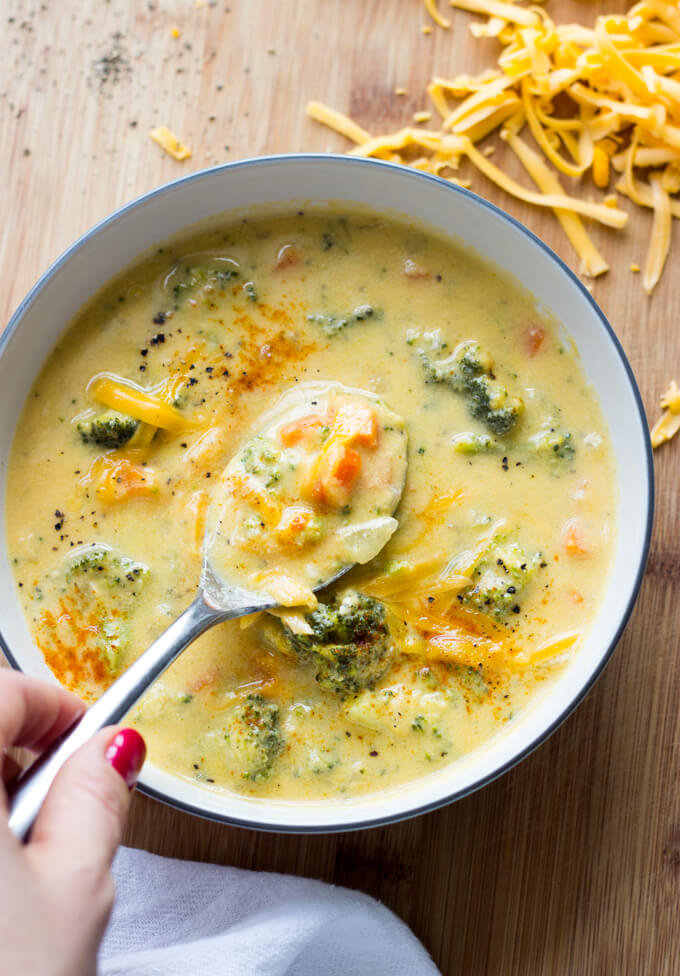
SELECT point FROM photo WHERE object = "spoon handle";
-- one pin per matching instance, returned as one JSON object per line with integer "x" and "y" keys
{"x": 28, "y": 791}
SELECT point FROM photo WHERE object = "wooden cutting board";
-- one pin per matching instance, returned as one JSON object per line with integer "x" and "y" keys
{"x": 571, "y": 862}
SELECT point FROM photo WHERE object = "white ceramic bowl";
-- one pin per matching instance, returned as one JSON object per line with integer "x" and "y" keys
{"x": 287, "y": 182}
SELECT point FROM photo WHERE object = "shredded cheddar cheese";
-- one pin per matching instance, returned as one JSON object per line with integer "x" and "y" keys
{"x": 137, "y": 403}
{"x": 668, "y": 424}
{"x": 618, "y": 86}
{"x": 168, "y": 141}
{"x": 440, "y": 21}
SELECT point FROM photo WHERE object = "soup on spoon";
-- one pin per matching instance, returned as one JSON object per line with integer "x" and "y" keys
{"x": 311, "y": 494}
{"x": 308, "y": 496}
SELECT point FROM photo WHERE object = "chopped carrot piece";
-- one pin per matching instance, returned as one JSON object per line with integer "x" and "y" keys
{"x": 334, "y": 474}
{"x": 207, "y": 680}
{"x": 345, "y": 466}
{"x": 297, "y": 430}
{"x": 287, "y": 257}
{"x": 293, "y": 522}
{"x": 573, "y": 538}
{"x": 533, "y": 338}
{"x": 117, "y": 479}
{"x": 414, "y": 270}
{"x": 356, "y": 423}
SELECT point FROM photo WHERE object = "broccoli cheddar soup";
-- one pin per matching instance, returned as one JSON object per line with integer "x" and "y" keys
{"x": 381, "y": 357}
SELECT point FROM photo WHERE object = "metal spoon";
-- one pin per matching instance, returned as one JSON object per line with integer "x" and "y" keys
{"x": 216, "y": 601}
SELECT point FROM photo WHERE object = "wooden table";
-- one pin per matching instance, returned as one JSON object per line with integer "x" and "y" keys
{"x": 571, "y": 862}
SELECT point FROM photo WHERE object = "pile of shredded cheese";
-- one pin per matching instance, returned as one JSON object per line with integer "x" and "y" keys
{"x": 595, "y": 100}
{"x": 668, "y": 423}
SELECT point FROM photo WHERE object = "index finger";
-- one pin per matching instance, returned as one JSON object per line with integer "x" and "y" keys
{"x": 33, "y": 712}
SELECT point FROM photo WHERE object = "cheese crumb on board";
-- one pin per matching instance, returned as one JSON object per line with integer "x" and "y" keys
{"x": 600, "y": 103}
{"x": 668, "y": 423}
{"x": 168, "y": 141}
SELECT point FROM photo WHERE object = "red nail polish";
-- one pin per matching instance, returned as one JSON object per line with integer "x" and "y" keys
{"x": 126, "y": 753}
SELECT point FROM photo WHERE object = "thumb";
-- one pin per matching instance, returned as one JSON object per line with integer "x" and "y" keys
{"x": 83, "y": 816}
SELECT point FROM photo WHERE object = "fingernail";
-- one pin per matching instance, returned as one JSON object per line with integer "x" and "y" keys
{"x": 126, "y": 753}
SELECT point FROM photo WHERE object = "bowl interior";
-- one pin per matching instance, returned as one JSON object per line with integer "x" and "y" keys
{"x": 284, "y": 183}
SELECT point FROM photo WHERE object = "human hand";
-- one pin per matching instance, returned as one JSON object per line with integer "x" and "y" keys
{"x": 56, "y": 892}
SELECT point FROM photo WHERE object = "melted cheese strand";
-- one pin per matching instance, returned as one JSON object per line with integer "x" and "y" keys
{"x": 118, "y": 395}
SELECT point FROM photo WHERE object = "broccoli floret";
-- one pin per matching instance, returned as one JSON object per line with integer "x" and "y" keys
{"x": 253, "y": 736}
{"x": 108, "y": 429}
{"x": 103, "y": 564}
{"x": 472, "y": 361}
{"x": 467, "y": 361}
{"x": 551, "y": 442}
{"x": 349, "y": 646}
{"x": 499, "y": 578}
{"x": 332, "y": 324}
{"x": 472, "y": 682}
{"x": 469, "y": 370}
{"x": 98, "y": 594}
{"x": 469, "y": 443}
{"x": 261, "y": 457}
{"x": 491, "y": 403}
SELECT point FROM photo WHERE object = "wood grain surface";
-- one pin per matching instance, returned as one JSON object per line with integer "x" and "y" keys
{"x": 571, "y": 862}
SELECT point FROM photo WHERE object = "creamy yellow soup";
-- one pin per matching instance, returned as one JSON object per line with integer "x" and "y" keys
{"x": 140, "y": 428}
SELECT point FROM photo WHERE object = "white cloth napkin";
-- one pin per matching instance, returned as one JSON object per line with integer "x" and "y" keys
{"x": 179, "y": 918}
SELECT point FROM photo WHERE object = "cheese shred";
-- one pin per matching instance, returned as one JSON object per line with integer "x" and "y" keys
{"x": 168, "y": 141}
{"x": 440, "y": 21}
{"x": 155, "y": 411}
{"x": 595, "y": 101}
{"x": 668, "y": 424}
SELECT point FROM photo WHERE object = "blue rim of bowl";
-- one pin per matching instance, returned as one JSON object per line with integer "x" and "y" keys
{"x": 416, "y": 175}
